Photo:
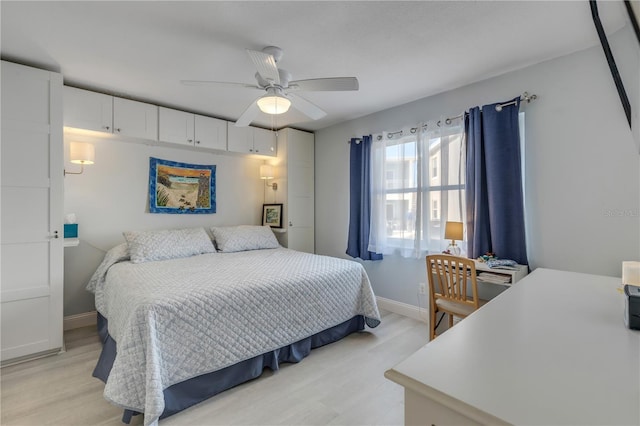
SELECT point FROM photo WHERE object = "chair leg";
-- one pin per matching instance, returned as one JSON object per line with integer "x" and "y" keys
{"x": 450, "y": 320}
{"x": 432, "y": 324}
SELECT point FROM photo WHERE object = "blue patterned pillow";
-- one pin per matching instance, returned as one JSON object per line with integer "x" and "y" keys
{"x": 147, "y": 246}
{"x": 230, "y": 239}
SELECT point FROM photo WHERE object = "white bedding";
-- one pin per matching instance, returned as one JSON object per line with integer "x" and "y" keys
{"x": 177, "y": 319}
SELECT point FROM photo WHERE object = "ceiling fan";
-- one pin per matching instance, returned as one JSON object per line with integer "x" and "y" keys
{"x": 280, "y": 89}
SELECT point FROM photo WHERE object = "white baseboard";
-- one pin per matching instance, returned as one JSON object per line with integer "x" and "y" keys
{"x": 405, "y": 309}
{"x": 80, "y": 320}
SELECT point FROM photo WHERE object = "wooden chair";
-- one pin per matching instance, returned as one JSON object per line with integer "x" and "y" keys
{"x": 448, "y": 290}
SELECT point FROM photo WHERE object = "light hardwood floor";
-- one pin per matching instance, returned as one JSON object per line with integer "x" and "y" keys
{"x": 338, "y": 384}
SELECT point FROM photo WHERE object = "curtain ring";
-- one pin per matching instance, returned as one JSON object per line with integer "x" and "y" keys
{"x": 414, "y": 129}
{"x": 438, "y": 123}
{"x": 447, "y": 121}
{"x": 379, "y": 137}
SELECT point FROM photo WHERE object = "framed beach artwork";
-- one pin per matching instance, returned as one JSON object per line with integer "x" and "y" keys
{"x": 272, "y": 215}
{"x": 181, "y": 188}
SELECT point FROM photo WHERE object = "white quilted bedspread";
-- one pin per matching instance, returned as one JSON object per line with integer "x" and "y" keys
{"x": 177, "y": 319}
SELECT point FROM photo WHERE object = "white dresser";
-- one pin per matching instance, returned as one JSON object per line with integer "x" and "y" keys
{"x": 552, "y": 350}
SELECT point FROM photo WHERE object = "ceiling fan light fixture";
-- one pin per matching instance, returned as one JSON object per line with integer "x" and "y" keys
{"x": 273, "y": 104}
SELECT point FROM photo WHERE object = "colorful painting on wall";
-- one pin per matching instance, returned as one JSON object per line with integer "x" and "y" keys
{"x": 181, "y": 187}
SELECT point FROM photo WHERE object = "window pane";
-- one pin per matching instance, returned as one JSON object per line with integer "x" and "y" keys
{"x": 401, "y": 215}
{"x": 456, "y": 164}
{"x": 400, "y": 164}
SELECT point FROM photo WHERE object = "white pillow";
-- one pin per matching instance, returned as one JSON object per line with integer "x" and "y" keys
{"x": 230, "y": 239}
{"x": 147, "y": 246}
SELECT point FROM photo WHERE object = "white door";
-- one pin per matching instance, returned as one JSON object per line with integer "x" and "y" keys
{"x": 300, "y": 191}
{"x": 32, "y": 210}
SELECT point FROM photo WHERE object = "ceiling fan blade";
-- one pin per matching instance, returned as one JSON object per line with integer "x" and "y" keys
{"x": 248, "y": 115}
{"x": 306, "y": 107}
{"x": 325, "y": 84}
{"x": 218, "y": 83}
{"x": 265, "y": 64}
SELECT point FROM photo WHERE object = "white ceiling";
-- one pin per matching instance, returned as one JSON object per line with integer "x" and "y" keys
{"x": 399, "y": 51}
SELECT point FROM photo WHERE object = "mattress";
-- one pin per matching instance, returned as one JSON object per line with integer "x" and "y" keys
{"x": 177, "y": 319}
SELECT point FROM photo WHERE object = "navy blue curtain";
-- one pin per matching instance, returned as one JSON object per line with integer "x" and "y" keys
{"x": 360, "y": 199}
{"x": 495, "y": 206}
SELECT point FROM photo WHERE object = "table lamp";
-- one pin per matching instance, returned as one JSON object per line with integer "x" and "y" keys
{"x": 453, "y": 232}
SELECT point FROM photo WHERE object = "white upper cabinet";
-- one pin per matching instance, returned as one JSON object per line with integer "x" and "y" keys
{"x": 251, "y": 140}
{"x": 176, "y": 126}
{"x": 239, "y": 139}
{"x": 264, "y": 142}
{"x": 135, "y": 119}
{"x": 185, "y": 128}
{"x": 84, "y": 109}
{"x": 88, "y": 110}
{"x": 210, "y": 132}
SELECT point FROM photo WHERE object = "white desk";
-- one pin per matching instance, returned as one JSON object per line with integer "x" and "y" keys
{"x": 551, "y": 350}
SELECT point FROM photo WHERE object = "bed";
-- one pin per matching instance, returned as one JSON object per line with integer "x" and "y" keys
{"x": 181, "y": 321}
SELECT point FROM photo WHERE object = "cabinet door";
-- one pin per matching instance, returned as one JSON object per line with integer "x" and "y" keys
{"x": 87, "y": 110}
{"x": 176, "y": 126}
{"x": 32, "y": 209}
{"x": 300, "y": 190}
{"x": 210, "y": 133}
{"x": 239, "y": 139}
{"x": 135, "y": 119}
{"x": 264, "y": 142}
{"x": 301, "y": 147}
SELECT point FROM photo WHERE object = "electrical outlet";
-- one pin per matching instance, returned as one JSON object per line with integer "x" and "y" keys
{"x": 422, "y": 288}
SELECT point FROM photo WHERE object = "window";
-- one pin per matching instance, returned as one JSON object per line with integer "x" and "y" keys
{"x": 408, "y": 212}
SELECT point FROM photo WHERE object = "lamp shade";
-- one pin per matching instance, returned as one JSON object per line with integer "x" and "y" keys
{"x": 631, "y": 273}
{"x": 266, "y": 171}
{"x": 453, "y": 231}
{"x": 81, "y": 153}
{"x": 273, "y": 104}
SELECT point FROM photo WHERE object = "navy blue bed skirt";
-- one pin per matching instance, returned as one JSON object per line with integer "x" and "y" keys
{"x": 185, "y": 394}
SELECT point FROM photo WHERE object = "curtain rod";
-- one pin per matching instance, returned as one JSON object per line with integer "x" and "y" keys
{"x": 525, "y": 97}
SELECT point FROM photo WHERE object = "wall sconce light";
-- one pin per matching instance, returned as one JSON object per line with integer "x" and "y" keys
{"x": 267, "y": 173}
{"x": 453, "y": 232}
{"x": 80, "y": 153}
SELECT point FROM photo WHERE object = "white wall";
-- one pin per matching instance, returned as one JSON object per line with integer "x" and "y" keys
{"x": 582, "y": 170}
{"x": 111, "y": 196}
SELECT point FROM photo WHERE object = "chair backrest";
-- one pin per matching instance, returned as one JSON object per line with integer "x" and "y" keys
{"x": 448, "y": 276}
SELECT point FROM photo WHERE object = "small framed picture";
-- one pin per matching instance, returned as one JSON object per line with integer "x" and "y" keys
{"x": 272, "y": 215}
